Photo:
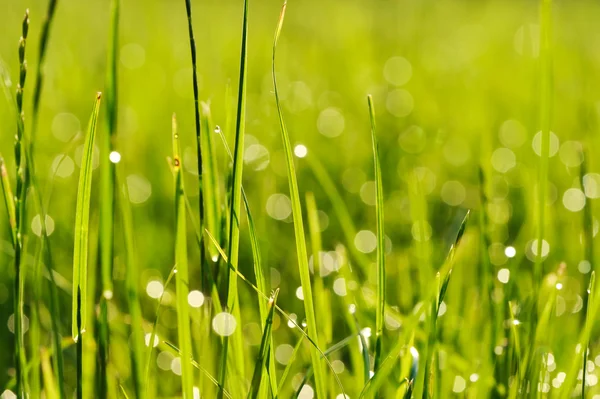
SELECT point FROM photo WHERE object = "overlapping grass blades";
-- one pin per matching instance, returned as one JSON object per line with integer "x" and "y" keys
{"x": 232, "y": 301}
{"x": 379, "y": 315}
{"x": 299, "y": 229}
{"x": 80, "y": 249}
{"x": 264, "y": 351}
{"x": 182, "y": 275}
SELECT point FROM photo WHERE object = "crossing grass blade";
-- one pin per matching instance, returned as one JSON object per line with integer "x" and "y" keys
{"x": 263, "y": 352}
{"x": 132, "y": 276}
{"x": 299, "y": 228}
{"x": 81, "y": 249}
{"x": 379, "y": 315}
{"x": 291, "y": 361}
{"x": 182, "y": 275}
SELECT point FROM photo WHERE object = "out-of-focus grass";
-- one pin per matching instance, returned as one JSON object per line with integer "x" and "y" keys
{"x": 459, "y": 87}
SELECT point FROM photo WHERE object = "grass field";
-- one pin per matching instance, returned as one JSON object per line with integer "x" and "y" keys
{"x": 332, "y": 199}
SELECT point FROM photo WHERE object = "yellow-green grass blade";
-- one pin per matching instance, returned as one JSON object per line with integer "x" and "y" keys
{"x": 82, "y": 221}
{"x": 210, "y": 179}
{"x": 232, "y": 301}
{"x": 291, "y": 361}
{"x": 81, "y": 249}
{"x": 379, "y": 315}
{"x": 263, "y": 352}
{"x": 50, "y": 389}
{"x": 316, "y": 246}
{"x": 153, "y": 335}
{"x": 285, "y": 314}
{"x": 132, "y": 276}
{"x": 20, "y": 212}
{"x": 107, "y": 203}
{"x": 299, "y": 229}
{"x": 39, "y": 81}
{"x": 202, "y": 370}
{"x": 545, "y": 104}
{"x": 182, "y": 275}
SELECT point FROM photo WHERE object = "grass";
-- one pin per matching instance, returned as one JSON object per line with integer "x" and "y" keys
{"x": 304, "y": 258}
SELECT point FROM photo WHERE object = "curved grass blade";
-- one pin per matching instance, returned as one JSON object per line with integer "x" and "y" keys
{"x": 234, "y": 214}
{"x": 80, "y": 251}
{"x": 182, "y": 277}
{"x": 299, "y": 229}
{"x": 107, "y": 204}
{"x": 265, "y": 348}
{"x": 379, "y": 315}
{"x": 291, "y": 361}
{"x": 82, "y": 221}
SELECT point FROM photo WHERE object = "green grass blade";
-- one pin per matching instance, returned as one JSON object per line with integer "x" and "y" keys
{"x": 234, "y": 215}
{"x": 288, "y": 366}
{"x": 379, "y": 315}
{"x": 9, "y": 200}
{"x": 265, "y": 348}
{"x": 210, "y": 179}
{"x": 299, "y": 230}
{"x": 182, "y": 275}
{"x": 132, "y": 276}
{"x": 20, "y": 212}
{"x": 39, "y": 81}
{"x": 107, "y": 204}
{"x": 81, "y": 249}
{"x": 50, "y": 388}
{"x": 82, "y": 221}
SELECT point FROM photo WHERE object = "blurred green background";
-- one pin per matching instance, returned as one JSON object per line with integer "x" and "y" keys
{"x": 455, "y": 85}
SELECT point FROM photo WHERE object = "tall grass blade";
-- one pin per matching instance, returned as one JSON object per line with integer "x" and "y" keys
{"x": 182, "y": 275}
{"x": 81, "y": 249}
{"x": 50, "y": 389}
{"x": 379, "y": 315}
{"x": 265, "y": 349}
{"x": 20, "y": 211}
{"x": 132, "y": 276}
{"x": 232, "y": 299}
{"x": 9, "y": 200}
{"x": 107, "y": 193}
{"x": 299, "y": 229}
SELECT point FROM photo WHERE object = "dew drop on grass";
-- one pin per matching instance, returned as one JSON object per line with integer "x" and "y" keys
{"x": 365, "y": 241}
{"x": 148, "y": 337}
{"x": 591, "y": 185}
{"x": 512, "y": 134}
{"x": 584, "y": 267}
{"x": 573, "y": 199}
{"x": 196, "y": 393}
{"x": 300, "y": 150}
{"x": 503, "y": 160}
{"x": 421, "y": 231}
{"x": 279, "y": 206}
{"x": 292, "y": 323}
{"x": 413, "y": 139}
{"x": 453, "y": 193}
{"x": 154, "y": 289}
{"x": 504, "y": 276}
{"x": 63, "y": 166}
{"x": 24, "y": 323}
{"x": 283, "y": 353}
{"x": 338, "y": 366}
{"x": 176, "y": 365}
{"x": 307, "y": 392}
{"x": 459, "y": 384}
{"x": 195, "y": 299}
{"x": 339, "y": 286}
{"x": 257, "y": 157}
{"x": 342, "y": 396}
{"x": 397, "y": 70}
{"x": 299, "y": 293}
{"x": 114, "y": 157}
{"x": 368, "y": 193}
{"x": 536, "y": 143}
{"x": 399, "y": 102}
{"x": 331, "y": 122}
{"x": 139, "y": 188}
{"x": 36, "y": 225}
{"x": 510, "y": 252}
{"x": 224, "y": 324}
